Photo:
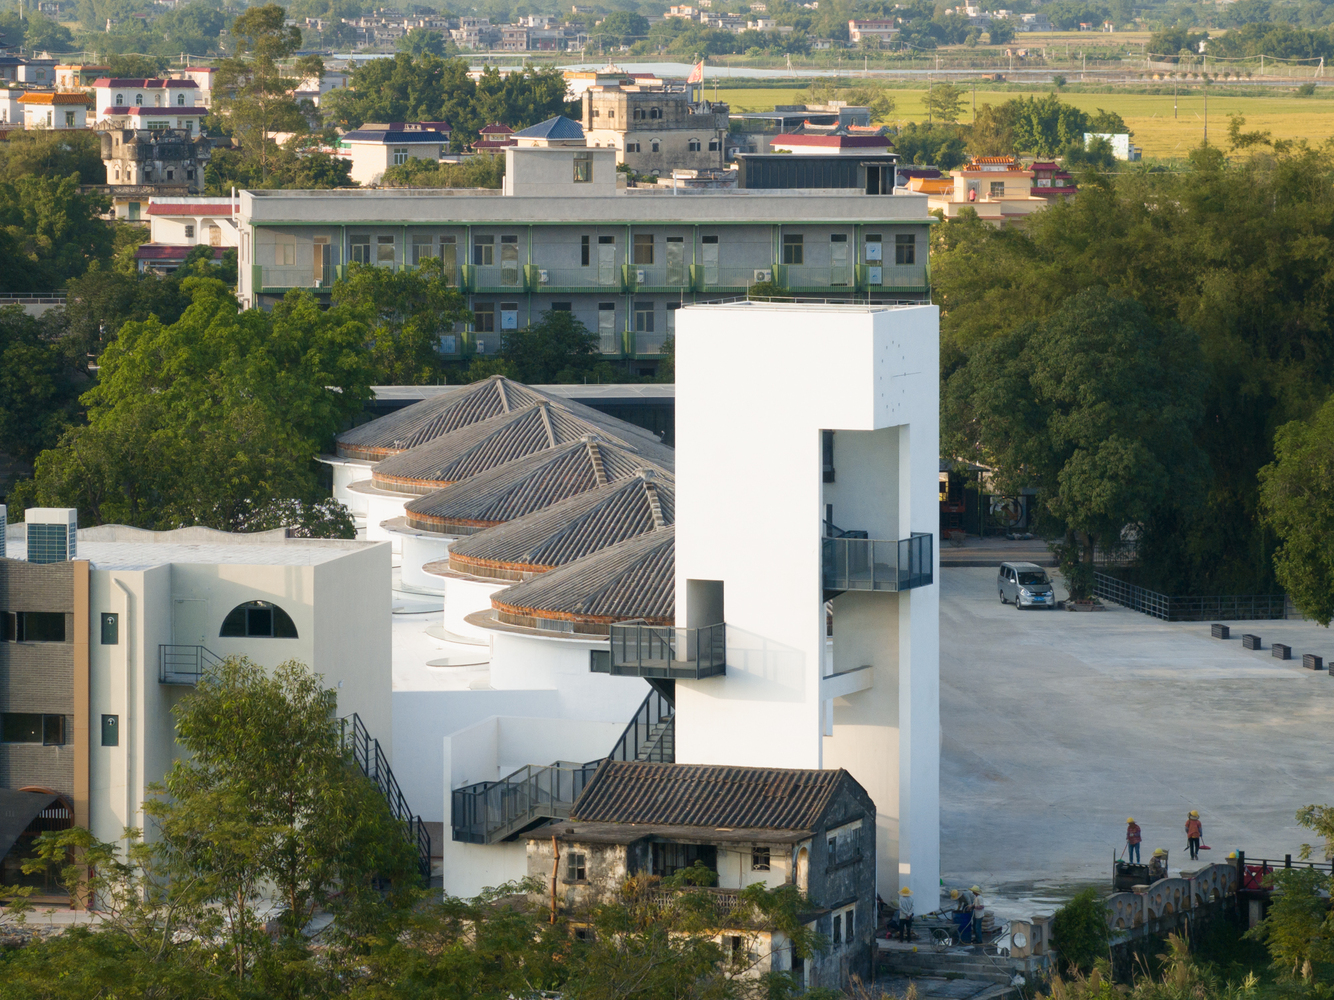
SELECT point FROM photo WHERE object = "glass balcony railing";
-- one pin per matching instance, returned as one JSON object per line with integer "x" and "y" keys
{"x": 649, "y": 343}
{"x": 290, "y": 277}
{"x": 813, "y": 276}
{"x": 657, "y": 275}
{"x": 665, "y": 651}
{"x": 850, "y": 563}
{"x": 591, "y": 277}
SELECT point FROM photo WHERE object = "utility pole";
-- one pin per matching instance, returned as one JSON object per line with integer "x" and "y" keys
{"x": 1174, "y": 97}
{"x": 1206, "y": 113}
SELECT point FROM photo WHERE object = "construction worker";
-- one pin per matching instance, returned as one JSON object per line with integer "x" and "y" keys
{"x": 1158, "y": 865}
{"x": 1194, "y": 831}
{"x": 1133, "y": 837}
{"x": 905, "y": 914}
{"x": 979, "y": 909}
{"x": 963, "y": 912}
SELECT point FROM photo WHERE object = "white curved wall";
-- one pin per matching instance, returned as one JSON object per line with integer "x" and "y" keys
{"x": 381, "y": 507}
{"x": 420, "y": 548}
{"x": 345, "y": 473}
{"x": 462, "y": 598}
{"x": 561, "y": 665}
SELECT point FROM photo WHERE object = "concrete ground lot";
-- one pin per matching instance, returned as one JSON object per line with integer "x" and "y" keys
{"x": 1057, "y": 726}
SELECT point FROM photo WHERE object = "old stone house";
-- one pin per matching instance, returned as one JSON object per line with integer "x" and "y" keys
{"x": 749, "y": 825}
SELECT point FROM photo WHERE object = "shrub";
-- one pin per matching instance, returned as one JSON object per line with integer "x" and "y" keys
{"x": 1079, "y": 931}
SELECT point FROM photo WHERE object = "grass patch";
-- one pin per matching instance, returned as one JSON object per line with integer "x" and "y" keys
{"x": 1150, "y": 116}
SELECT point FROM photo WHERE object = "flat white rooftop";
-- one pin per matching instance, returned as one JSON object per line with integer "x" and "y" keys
{"x": 117, "y": 547}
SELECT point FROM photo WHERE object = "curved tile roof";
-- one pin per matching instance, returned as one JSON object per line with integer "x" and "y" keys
{"x": 469, "y": 404}
{"x": 483, "y": 446}
{"x": 632, "y": 579}
{"x": 570, "y": 529}
{"x": 711, "y": 795}
{"x": 522, "y": 486}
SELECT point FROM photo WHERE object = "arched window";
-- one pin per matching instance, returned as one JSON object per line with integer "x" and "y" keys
{"x": 655, "y": 112}
{"x": 157, "y": 100}
{"x": 656, "y": 147}
{"x": 258, "y": 619}
{"x": 180, "y": 100}
{"x": 138, "y": 99}
{"x": 693, "y": 146}
{"x": 120, "y": 98}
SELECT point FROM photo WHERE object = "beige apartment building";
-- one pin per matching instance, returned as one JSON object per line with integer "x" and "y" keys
{"x": 564, "y": 234}
{"x": 654, "y": 130}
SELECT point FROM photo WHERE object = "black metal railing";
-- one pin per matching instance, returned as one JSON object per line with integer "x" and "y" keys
{"x": 651, "y": 734}
{"x": 1224, "y": 607}
{"x": 852, "y": 563}
{"x": 1252, "y": 872}
{"x": 491, "y": 811}
{"x": 367, "y": 754}
{"x": 184, "y": 664}
{"x": 664, "y": 651}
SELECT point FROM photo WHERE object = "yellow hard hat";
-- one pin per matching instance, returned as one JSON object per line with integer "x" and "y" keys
{"x": 954, "y": 894}
{"x": 1194, "y": 814}
{"x": 905, "y": 891}
{"x": 1159, "y": 852}
{"x": 975, "y": 889}
{"x": 1130, "y": 819}
{"x": 1232, "y": 856}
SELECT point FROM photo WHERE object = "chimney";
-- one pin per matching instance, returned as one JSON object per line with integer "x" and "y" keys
{"x": 52, "y": 534}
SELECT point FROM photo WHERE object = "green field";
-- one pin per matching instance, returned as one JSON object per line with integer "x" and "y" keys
{"x": 1156, "y": 128}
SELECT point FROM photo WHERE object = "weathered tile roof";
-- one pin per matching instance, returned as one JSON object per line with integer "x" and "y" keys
{"x": 480, "y": 447}
{"x": 708, "y": 795}
{"x": 523, "y": 486}
{"x": 632, "y": 579}
{"x": 468, "y": 404}
{"x": 570, "y": 529}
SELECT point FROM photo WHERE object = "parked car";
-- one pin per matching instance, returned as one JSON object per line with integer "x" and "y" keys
{"x": 1025, "y": 585}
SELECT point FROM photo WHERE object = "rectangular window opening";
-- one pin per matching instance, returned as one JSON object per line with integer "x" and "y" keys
{"x": 793, "y": 249}
{"x": 110, "y": 629}
{"x": 576, "y": 868}
{"x": 643, "y": 248}
{"x": 759, "y": 859}
{"x": 905, "y": 249}
{"x": 111, "y": 730}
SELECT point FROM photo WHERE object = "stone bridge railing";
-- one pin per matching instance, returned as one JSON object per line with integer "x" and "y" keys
{"x": 1168, "y": 897}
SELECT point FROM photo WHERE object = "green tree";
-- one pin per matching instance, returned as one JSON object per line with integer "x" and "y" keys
{"x": 38, "y": 385}
{"x": 421, "y": 41}
{"x": 407, "y": 312}
{"x": 1297, "y": 501}
{"x": 253, "y": 91}
{"x": 944, "y": 103}
{"x": 54, "y": 153}
{"x": 212, "y": 419}
{"x": 555, "y": 349}
{"x": 938, "y": 145}
{"x": 1298, "y": 927}
{"x": 1079, "y": 931}
{"x": 1096, "y": 409}
{"x": 49, "y": 232}
{"x": 1000, "y": 32}
{"x": 620, "y": 27}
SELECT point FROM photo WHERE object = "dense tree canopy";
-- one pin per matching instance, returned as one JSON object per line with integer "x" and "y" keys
{"x": 1241, "y": 254}
{"x": 428, "y": 88}
{"x": 211, "y": 419}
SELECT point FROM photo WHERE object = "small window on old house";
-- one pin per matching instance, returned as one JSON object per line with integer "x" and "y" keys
{"x": 759, "y": 859}
{"x": 576, "y": 867}
{"x": 838, "y": 929}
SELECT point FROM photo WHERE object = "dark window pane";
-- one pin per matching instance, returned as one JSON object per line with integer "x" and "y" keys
{"x": 42, "y": 626}
{"x": 110, "y": 629}
{"x": 283, "y": 626}
{"x": 233, "y": 626}
{"x": 53, "y": 730}
{"x": 259, "y": 621}
{"x": 111, "y": 730}
{"x": 21, "y": 727}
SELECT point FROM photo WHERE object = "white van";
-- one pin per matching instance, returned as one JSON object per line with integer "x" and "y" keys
{"x": 1025, "y": 585}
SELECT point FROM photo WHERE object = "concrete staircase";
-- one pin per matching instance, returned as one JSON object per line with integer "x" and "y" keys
{"x": 961, "y": 963}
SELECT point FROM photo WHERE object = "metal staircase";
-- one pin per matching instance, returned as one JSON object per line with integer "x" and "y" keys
{"x": 366, "y": 752}
{"x": 492, "y": 811}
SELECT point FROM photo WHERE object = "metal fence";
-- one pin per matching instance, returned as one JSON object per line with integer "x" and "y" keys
{"x": 184, "y": 664}
{"x": 666, "y": 651}
{"x": 490, "y": 811}
{"x": 1169, "y": 608}
{"x": 850, "y": 563}
{"x": 368, "y": 756}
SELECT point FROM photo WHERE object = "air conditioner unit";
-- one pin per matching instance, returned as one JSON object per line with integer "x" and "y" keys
{"x": 639, "y": 276}
{"x": 543, "y": 277}
{"x": 764, "y": 274}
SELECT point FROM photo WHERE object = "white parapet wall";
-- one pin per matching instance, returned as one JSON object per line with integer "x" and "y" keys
{"x": 758, "y": 386}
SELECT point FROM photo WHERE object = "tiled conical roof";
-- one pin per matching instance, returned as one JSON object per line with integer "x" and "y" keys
{"x": 635, "y": 579}
{"x": 483, "y": 446}
{"x": 522, "y": 486}
{"x": 571, "y": 529}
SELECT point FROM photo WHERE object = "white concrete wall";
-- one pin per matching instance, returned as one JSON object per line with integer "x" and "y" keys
{"x": 490, "y": 749}
{"x": 422, "y": 719}
{"x": 464, "y": 597}
{"x": 419, "y": 548}
{"x": 561, "y": 665}
{"x": 381, "y": 507}
{"x": 864, "y": 369}
{"x": 352, "y": 636}
{"x": 548, "y": 172}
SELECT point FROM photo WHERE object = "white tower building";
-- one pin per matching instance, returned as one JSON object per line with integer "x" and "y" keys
{"x": 791, "y": 419}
